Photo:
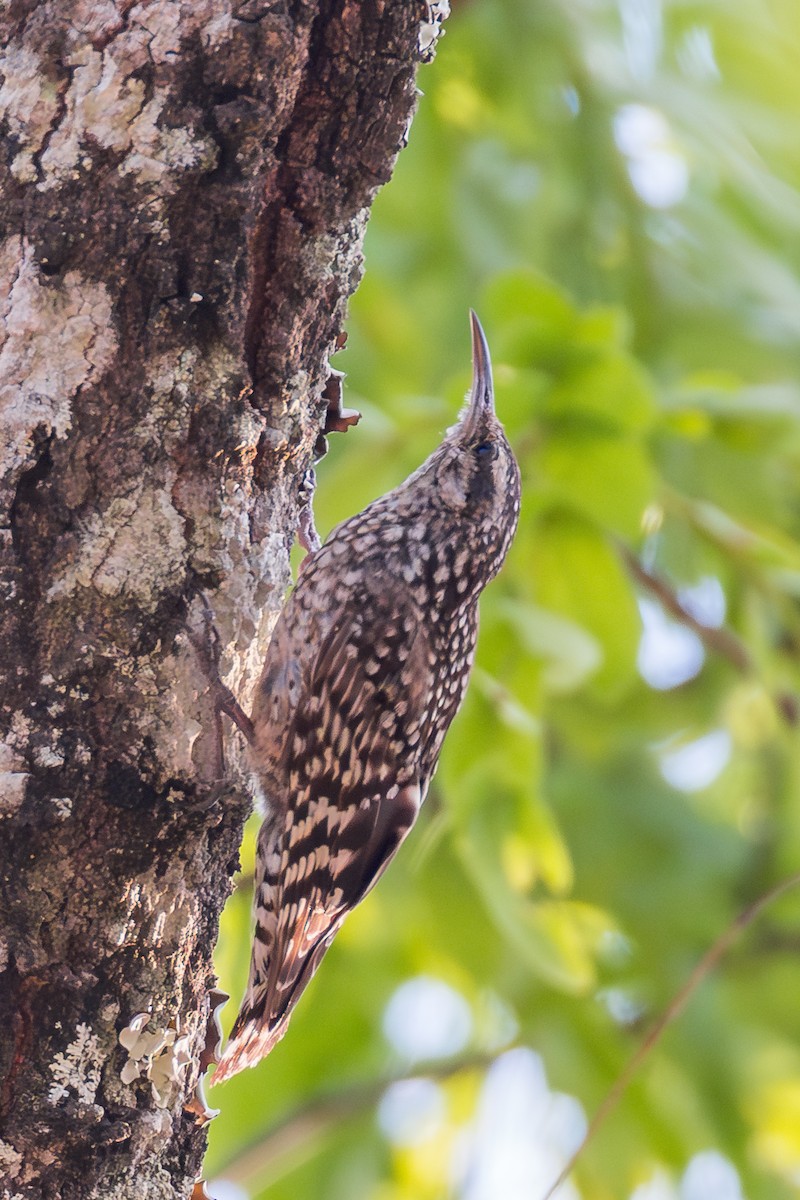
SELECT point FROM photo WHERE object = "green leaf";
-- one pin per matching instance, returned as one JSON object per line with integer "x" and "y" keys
{"x": 576, "y": 573}
{"x": 570, "y": 655}
{"x": 613, "y": 389}
{"x": 606, "y": 479}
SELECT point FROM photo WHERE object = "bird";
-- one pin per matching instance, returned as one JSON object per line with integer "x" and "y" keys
{"x": 367, "y": 666}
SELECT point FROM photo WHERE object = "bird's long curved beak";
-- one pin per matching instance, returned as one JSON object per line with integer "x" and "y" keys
{"x": 481, "y": 399}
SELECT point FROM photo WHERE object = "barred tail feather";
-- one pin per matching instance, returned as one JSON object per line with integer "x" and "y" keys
{"x": 266, "y": 1009}
{"x": 251, "y": 1040}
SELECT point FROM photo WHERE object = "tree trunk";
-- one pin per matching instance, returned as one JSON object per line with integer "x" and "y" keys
{"x": 184, "y": 191}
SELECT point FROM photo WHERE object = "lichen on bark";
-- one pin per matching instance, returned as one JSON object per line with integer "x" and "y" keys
{"x": 183, "y": 198}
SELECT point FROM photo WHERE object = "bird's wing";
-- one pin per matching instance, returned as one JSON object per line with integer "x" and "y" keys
{"x": 351, "y": 760}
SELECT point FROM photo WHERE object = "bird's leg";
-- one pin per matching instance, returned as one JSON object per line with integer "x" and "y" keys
{"x": 206, "y": 646}
{"x": 307, "y": 534}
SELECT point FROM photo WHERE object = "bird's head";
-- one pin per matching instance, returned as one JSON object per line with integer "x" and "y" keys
{"x": 477, "y": 477}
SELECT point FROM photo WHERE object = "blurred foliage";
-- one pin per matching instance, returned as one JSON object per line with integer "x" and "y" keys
{"x": 614, "y": 187}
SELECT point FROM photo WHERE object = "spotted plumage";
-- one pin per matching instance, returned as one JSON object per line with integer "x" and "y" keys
{"x": 366, "y": 669}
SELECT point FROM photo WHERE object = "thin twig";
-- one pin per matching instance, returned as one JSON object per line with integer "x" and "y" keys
{"x": 671, "y": 1013}
{"x": 323, "y": 1113}
{"x": 718, "y": 640}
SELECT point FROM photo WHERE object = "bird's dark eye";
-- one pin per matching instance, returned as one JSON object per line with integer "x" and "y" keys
{"x": 485, "y": 451}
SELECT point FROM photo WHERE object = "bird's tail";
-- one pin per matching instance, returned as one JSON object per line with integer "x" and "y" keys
{"x": 267, "y": 1007}
{"x": 252, "y": 1037}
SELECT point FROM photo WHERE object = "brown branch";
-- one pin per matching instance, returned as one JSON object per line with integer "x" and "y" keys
{"x": 321, "y": 1114}
{"x": 717, "y": 640}
{"x": 670, "y": 1014}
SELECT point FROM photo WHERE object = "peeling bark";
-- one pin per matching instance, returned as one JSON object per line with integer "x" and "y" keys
{"x": 184, "y": 192}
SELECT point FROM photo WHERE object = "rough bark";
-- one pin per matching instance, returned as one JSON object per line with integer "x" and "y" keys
{"x": 185, "y": 185}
